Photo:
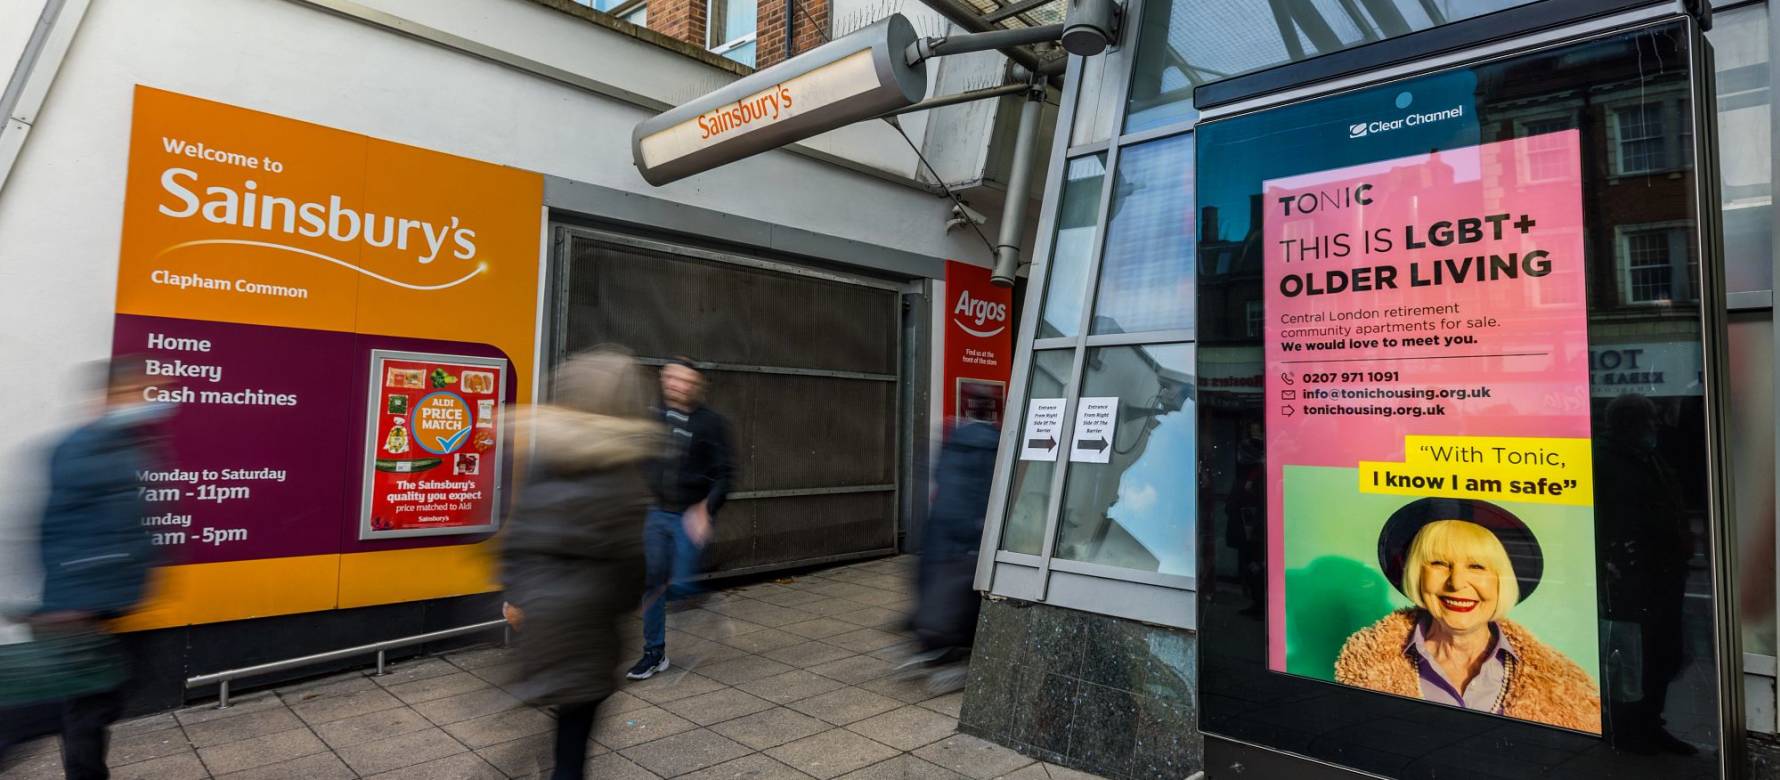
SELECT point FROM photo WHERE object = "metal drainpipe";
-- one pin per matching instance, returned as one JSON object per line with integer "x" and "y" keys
{"x": 1019, "y": 186}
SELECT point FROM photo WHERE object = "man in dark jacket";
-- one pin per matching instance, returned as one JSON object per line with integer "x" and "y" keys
{"x": 690, "y": 485}
{"x": 96, "y": 559}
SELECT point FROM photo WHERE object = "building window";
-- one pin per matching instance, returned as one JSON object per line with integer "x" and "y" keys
{"x": 1651, "y": 136}
{"x": 732, "y": 29}
{"x": 1252, "y": 313}
{"x": 1656, "y": 265}
{"x": 1640, "y": 137}
{"x": 1545, "y": 159}
{"x": 639, "y": 17}
{"x": 1649, "y": 277}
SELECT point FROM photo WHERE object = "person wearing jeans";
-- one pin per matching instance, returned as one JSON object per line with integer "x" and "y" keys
{"x": 690, "y": 485}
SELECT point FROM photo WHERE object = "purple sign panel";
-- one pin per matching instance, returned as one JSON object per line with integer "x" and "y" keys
{"x": 263, "y": 458}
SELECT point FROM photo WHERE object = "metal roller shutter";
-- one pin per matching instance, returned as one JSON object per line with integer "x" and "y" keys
{"x": 804, "y": 364}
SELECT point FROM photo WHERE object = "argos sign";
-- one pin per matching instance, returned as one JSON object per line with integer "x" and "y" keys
{"x": 979, "y": 344}
{"x": 989, "y": 317}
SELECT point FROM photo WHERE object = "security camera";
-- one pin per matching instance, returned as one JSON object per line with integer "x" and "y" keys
{"x": 964, "y": 215}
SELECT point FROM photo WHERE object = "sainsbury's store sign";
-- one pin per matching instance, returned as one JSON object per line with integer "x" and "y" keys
{"x": 765, "y": 107}
{"x": 760, "y": 111}
{"x": 858, "y": 77}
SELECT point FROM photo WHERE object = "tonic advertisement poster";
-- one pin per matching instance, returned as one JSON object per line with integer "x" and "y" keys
{"x": 264, "y": 263}
{"x": 1427, "y": 427}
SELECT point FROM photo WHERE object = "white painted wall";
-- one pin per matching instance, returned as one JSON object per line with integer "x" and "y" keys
{"x": 17, "y": 18}
{"x": 60, "y": 209}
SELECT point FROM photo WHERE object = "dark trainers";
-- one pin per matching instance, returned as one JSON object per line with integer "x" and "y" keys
{"x": 646, "y": 667}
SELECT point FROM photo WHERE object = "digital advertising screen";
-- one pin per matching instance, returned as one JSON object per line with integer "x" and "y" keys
{"x": 1456, "y": 489}
{"x": 1429, "y": 458}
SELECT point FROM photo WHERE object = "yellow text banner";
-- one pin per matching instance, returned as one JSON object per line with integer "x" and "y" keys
{"x": 1490, "y": 468}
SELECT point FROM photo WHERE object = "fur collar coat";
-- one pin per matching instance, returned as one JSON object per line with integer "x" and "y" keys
{"x": 572, "y": 551}
{"x": 1544, "y": 686}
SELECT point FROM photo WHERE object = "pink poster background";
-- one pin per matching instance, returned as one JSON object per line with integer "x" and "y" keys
{"x": 1535, "y": 358}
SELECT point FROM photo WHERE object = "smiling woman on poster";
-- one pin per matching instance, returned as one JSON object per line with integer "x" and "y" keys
{"x": 1452, "y": 559}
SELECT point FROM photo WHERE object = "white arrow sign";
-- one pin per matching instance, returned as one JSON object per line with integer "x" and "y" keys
{"x": 1044, "y": 429}
{"x": 1095, "y": 419}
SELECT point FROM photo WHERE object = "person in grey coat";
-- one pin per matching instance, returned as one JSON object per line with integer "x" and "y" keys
{"x": 572, "y": 558}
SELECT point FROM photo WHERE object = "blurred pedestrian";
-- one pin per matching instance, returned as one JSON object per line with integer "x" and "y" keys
{"x": 571, "y": 557}
{"x": 690, "y": 485}
{"x": 96, "y": 561}
{"x": 946, "y": 602}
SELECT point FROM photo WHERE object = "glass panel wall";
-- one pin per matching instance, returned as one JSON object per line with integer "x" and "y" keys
{"x": 1146, "y": 275}
{"x": 1740, "y": 42}
{"x": 1078, "y": 227}
{"x": 1752, "y": 478}
{"x": 1739, "y": 39}
{"x": 1186, "y": 43}
{"x": 1097, "y": 105}
{"x": 1135, "y": 511}
{"x": 1029, "y": 491}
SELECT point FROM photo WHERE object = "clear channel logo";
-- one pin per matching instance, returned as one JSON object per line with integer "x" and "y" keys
{"x": 1411, "y": 119}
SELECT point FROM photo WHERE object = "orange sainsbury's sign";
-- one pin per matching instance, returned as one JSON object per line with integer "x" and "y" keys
{"x": 767, "y": 106}
{"x": 265, "y": 262}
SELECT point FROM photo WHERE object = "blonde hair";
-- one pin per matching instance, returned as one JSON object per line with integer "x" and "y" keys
{"x": 604, "y": 380}
{"x": 1449, "y": 540}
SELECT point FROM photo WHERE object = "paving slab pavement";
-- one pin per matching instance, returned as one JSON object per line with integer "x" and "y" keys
{"x": 786, "y": 679}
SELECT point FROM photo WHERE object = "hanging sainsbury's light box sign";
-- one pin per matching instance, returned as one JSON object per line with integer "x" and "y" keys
{"x": 860, "y": 76}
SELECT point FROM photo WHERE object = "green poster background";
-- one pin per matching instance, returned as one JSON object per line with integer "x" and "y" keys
{"x": 1334, "y": 586}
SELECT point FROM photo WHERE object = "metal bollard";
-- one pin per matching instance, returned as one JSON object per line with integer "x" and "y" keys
{"x": 222, "y": 699}
{"x": 382, "y": 656}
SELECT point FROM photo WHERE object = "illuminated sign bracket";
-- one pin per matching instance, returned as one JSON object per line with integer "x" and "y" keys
{"x": 875, "y": 71}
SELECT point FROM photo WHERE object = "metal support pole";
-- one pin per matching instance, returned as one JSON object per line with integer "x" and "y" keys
{"x": 1019, "y": 191}
{"x": 970, "y": 19}
{"x": 1010, "y": 11}
{"x": 222, "y": 695}
{"x": 962, "y": 97}
{"x": 382, "y": 662}
{"x": 963, "y": 43}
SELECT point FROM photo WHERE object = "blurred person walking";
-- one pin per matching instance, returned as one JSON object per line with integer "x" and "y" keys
{"x": 571, "y": 557}
{"x": 96, "y": 561}
{"x": 946, "y": 602}
{"x": 690, "y": 484}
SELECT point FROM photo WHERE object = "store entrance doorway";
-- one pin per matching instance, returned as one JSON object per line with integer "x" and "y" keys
{"x": 805, "y": 364}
